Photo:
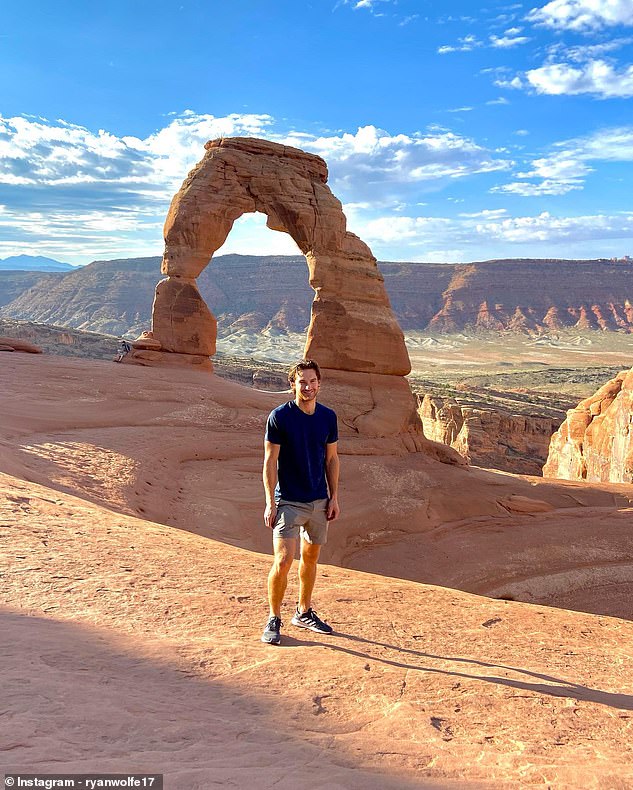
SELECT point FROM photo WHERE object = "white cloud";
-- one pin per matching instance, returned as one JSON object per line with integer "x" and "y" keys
{"x": 414, "y": 230}
{"x": 505, "y": 42}
{"x": 548, "y": 186}
{"x": 547, "y": 228}
{"x": 565, "y": 166}
{"x": 487, "y": 213}
{"x": 596, "y": 77}
{"x": 465, "y": 44}
{"x": 371, "y": 161}
{"x": 583, "y": 15}
{"x": 516, "y": 83}
{"x": 565, "y": 169}
{"x": 492, "y": 233}
{"x": 584, "y": 52}
{"x": 364, "y": 5}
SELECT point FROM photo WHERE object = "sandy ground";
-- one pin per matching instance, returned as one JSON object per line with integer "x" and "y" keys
{"x": 133, "y": 589}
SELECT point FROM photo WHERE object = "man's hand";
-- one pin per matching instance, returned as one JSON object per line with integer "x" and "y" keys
{"x": 333, "y": 509}
{"x": 270, "y": 514}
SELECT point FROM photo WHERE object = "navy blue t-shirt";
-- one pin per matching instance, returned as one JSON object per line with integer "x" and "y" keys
{"x": 302, "y": 438}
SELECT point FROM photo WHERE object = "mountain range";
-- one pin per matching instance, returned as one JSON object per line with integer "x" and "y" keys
{"x": 254, "y": 293}
{"x": 33, "y": 263}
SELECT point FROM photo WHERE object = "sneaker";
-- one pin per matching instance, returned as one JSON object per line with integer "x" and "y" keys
{"x": 271, "y": 633}
{"x": 311, "y": 621}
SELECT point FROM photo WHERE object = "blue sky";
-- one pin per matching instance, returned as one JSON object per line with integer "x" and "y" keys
{"x": 452, "y": 133}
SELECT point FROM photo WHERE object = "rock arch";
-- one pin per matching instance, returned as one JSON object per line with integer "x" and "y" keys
{"x": 353, "y": 333}
{"x": 352, "y": 326}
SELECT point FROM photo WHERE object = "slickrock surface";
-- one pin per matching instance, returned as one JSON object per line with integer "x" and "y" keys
{"x": 595, "y": 442}
{"x": 17, "y": 344}
{"x": 61, "y": 340}
{"x": 489, "y": 437}
{"x": 133, "y": 579}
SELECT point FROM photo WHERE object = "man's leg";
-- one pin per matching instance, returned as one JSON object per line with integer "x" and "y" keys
{"x": 307, "y": 573}
{"x": 305, "y": 617}
{"x": 284, "y": 552}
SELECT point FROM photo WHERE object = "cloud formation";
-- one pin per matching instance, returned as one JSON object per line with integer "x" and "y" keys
{"x": 494, "y": 230}
{"x": 567, "y": 166}
{"x": 583, "y": 15}
{"x": 570, "y": 68}
{"x": 79, "y": 195}
{"x": 107, "y": 196}
{"x": 596, "y": 77}
{"x": 372, "y": 161}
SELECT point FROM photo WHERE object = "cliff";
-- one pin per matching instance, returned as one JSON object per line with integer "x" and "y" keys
{"x": 570, "y": 294}
{"x": 14, "y": 283}
{"x": 60, "y": 340}
{"x": 256, "y": 293}
{"x": 595, "y": 442}
{"x": 488, "y": 437}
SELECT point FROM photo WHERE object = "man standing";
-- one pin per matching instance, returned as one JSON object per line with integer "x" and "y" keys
{"x": 301, "y": 470}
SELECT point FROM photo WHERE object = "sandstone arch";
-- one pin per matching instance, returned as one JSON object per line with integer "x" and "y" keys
{"x": 352, "y": 327}
{"x": 353, "y": 332}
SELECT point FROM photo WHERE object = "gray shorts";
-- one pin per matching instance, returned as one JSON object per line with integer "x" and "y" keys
{"x": 308, "y": 519}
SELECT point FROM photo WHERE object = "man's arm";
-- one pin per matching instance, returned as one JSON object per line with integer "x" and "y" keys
{"x": 331, "y": 473}
{"x": 271, "y": 454}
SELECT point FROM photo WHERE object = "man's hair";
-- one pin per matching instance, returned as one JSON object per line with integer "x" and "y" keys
{"x": 303, "y": 364}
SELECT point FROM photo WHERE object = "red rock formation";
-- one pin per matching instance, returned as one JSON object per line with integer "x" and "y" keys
{"x": 488, "y": 437}
{"x": 500, "y": 294}
{"x": 353, "y": 333}
{"x": 352, "y": 327}
{"x": 15, "y": 344}
{"x": 595, "y": 442}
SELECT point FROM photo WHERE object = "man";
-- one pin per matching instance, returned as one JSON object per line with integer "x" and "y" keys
{"x": 301, "y": 470}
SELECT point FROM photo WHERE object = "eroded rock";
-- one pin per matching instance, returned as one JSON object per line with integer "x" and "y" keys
{"x": 15, "y": 344}
{"x": 489, "y": 437}
{"x": 596, "y": 440}
{"x": 353, "y": 333}
{"x": 352, "y": 327}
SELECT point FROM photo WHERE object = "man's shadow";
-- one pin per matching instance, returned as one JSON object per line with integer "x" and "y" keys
{"x": 554, "y": 686}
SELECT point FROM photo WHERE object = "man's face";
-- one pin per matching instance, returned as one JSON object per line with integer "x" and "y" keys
{"x": 306, "y": 385}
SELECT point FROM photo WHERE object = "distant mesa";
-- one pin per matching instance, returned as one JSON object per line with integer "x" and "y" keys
{"x": 33, "y": 263}
{"x": 115, "y": 297}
